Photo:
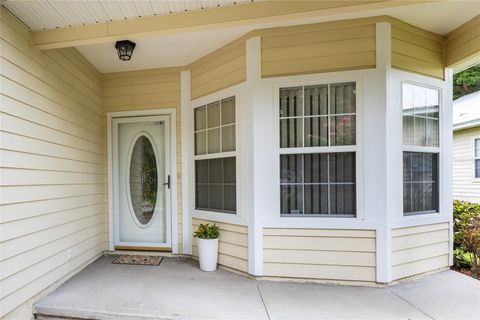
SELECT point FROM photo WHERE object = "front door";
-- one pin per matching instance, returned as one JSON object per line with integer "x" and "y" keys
{"x": 141, "y": 181}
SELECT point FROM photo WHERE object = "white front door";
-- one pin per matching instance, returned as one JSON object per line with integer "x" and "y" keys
{"x": 141, "y": 182}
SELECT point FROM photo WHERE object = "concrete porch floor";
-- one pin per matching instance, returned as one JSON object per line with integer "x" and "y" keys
{"x": 177, "y": 289}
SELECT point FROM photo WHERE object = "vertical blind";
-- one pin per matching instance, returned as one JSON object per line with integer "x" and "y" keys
{"x": 315, "y": 117}
{"x": 420, "y": 106}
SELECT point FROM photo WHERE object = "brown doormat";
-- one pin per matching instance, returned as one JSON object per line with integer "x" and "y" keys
{"x": 138, "y": 260}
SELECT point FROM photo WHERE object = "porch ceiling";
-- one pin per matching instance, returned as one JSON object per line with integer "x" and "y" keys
{"x": 55, "y": 14}
{"x": 168, "y": 42}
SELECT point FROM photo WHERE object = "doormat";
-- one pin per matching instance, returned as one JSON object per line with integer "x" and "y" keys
{"x": 138, "y": 260}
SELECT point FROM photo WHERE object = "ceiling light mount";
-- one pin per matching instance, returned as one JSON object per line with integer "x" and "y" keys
{"x": 125, "y": 49}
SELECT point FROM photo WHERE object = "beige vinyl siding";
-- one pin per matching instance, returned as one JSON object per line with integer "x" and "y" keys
{"x": 143, "y": 90}
{"x": 53, "y": 166}
{"x": 417, "y": 50}
{"x": 419, "y": 249}
{"x": 347, "y": 255}
{"x": 463, "y": 42}
{"x": 330, "y": 46}
{"x": 232, "y": 247}
{"x": 218, "y": 70}
{"x": 465, "y": 186}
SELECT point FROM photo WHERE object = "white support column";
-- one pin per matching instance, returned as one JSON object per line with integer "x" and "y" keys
{"x": 380, "y": 140}
{"x": 446, "y": 153}
{"x": 187, "y": 156}
{"x": 255, "y": 244}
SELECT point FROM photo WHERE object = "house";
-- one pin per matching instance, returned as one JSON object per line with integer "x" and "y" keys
{"x": 317, "y": 135}
{"x": 466, "y": 147}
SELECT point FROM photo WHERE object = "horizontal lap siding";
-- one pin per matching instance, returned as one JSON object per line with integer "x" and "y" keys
{"x": 465, "y": 187}
{"x": 348, "y": 255}
{"x": 143, "y": 90}
{"x": 463, "y": 42}
{"x": 417, "y": 50}
{"x": 220, "y": 69}
{"x": 53, "y": 165}
{"x": 233, "y": 245}
{"x": 419, "y": 249}
{"x": 318, "y": 48}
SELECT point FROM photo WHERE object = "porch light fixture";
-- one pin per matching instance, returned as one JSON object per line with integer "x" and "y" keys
{"x": 125, "y": 49}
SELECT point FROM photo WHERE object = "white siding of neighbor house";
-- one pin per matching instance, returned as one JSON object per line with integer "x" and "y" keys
{"x": 465, "y": 186}
{"x": 419, "y": 249}
{"x": 232, "y": 246}
{"x": 347, "y": 255}
{"x": 53, "y": 167}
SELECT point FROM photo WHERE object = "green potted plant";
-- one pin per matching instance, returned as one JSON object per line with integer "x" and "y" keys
{"x": 207, "y": 237}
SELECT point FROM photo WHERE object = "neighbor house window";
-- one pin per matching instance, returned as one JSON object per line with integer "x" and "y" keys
{"x": 316, "y": 178}
{"x": 420, "y": 106}
{"x": 215, "y": 156}
{"x": 477, "y": 158}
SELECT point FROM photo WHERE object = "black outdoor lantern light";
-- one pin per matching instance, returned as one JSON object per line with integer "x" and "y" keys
{"x": 125, "y": 49}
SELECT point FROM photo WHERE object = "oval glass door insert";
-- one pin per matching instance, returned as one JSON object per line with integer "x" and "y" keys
{"x": 143, "y": 180}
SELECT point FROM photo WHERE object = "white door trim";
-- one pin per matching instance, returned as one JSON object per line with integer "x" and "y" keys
{"x": 172, "y": 113}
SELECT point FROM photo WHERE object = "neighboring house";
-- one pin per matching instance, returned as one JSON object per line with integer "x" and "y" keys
{"x": 466, "y": 147}
{"x": 281, "y": 121}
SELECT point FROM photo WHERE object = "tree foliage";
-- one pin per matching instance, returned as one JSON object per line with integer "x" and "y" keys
{"x": 466, "y": 82}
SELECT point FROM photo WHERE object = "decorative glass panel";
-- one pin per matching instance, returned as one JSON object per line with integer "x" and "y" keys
{"x": 143, "y": 180}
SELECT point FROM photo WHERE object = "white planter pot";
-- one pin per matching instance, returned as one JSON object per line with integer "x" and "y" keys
{"x": 208, "y": 254}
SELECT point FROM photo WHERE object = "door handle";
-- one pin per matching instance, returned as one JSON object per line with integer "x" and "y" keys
{"x": 168, "y": 182}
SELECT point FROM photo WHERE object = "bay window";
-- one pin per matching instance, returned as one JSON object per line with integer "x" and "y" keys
{"x": 317, "y": 150}
{"x": 420, "y": 107}
{"x": 215, "y": 157}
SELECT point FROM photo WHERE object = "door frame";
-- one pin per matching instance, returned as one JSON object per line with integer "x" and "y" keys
{"x": 171, "y": 112}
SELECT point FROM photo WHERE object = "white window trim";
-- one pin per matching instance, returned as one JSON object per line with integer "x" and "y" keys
{"x": 312, "y": 80}
{"x": 239, "y": 217}
{"x": 475, "y": 179}
{"x": 425, "y": 149}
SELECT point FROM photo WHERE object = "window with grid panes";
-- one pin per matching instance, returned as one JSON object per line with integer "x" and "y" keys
{"x": 315, "y": 178}
{"x": 420, "y": 107}
{"x": 215, "y": 156}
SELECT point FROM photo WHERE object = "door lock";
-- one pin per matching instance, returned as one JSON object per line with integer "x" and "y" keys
{"x": 168, "y": 182}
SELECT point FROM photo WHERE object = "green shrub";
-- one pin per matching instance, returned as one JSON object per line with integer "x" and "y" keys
{"x": 466, "y": 229}
{"x": 206, "y": 231}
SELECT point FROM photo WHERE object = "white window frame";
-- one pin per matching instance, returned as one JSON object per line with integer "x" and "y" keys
{"x": 304, "y": 81}
{"x": 475, "y": 178}
{"x": 426, "y": 149}
{"x": 217, "y": 155}
{"x": 238, "y": 91}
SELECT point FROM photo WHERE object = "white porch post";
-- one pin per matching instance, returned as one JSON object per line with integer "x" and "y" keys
{"x": 250, "y": 159}
{"x": 379, "y": 160}
{"x": 187, "y": 155}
